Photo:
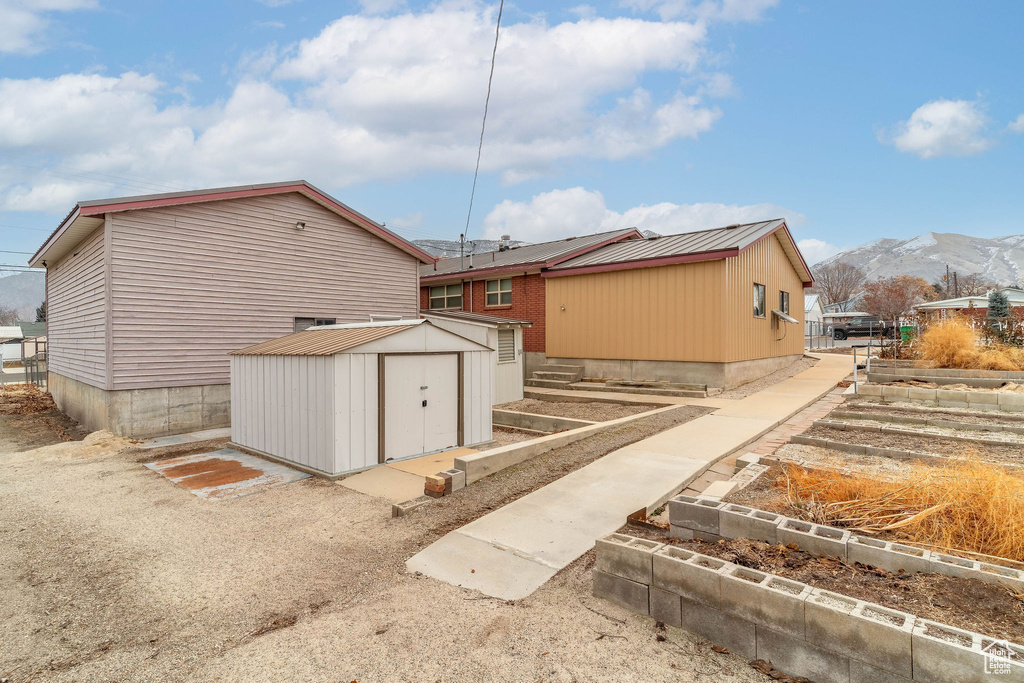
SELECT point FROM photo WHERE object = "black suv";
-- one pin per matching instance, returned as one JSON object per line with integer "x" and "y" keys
{"x": 864, "y": 326}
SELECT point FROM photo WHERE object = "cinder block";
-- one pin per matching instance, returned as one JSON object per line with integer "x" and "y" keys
{"x": 951, "y": 565}
{"x": 693, "y": 576}
{"x": 722, "y": 629}
{"x": 952, "y": 396}
{"x": 457, "y": 478}
{"x": 403, "y": 509}
{"x": 865, "y": 673}
{"x": 665, "y": 606}
{"x": 680, "y": 532}
{"x": 1008, "y": 400}
{"x": 736, "y": 521}
{"x": 917, "y": 394}
{"x": 982, "y": 398}
{"x": 797, "y": 657}
{"x": 895, "y": 393}
{"x": 823, "y": 541}
{"x": 623, "y": 592}
{"x": 1004, "y": 576}
{"x": 943, "y": 653}
{"x": 747, "y": 459}
{"x": 892, "y": 557}
{"x": 865, "y": 389}
{"x": 718, "y": 490}
{"x": 693, "y": 513}
{"x": 626, "y": 556}
{"x": 766, "y": 600}
{"x": 860, "y": 630}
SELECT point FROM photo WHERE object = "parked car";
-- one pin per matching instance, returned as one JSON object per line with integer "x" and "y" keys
{"x": 868, "y": 325}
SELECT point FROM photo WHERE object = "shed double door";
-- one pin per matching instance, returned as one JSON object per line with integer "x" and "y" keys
{"x": 421, "y": 404}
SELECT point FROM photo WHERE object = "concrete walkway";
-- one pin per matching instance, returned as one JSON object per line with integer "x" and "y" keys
{"x": 511, "y": 552}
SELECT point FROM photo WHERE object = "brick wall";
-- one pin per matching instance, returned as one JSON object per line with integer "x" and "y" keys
{"x": 527, "y": 304}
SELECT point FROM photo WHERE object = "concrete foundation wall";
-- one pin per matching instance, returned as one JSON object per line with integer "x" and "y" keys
{"x": 143, "y": 412}
{"x": 718, "y": 375}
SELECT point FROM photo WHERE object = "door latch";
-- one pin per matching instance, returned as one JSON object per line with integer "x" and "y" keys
{"x": 424, "y": 403}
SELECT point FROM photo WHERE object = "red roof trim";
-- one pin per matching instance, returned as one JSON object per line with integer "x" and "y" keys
{"x": 643, "y": 263}
{"x": 635, "y": 234}
{"x": 303, "y": 189}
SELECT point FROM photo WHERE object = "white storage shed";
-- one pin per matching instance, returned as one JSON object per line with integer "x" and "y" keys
{"x": 342, "y": 398}
{"x": 503, "y": 335}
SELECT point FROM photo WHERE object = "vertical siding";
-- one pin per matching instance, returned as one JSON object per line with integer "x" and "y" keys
{"x": 191, "y": 283}
{"x": 355, "y": 411}
{"x": 477, "y": 370}
{"x": 664, "y": 313}
{"x": 284, "y": 406}
{"x": 508, "y": 377}
{"x": 766, "y": 263}
{"x": 76, "y": 313}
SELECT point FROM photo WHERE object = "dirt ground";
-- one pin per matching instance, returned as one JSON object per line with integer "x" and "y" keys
{"x": 29, "y": 419}
{"x": 504, "y": 436}
{"x": 767, "y": 381}
{"x": 110, "y": 572}
{"x": 925, "y": 443}
{"x": 966, "y": 416}
{"x": 595, "y": 411}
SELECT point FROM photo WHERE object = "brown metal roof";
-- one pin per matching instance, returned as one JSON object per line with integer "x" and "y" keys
{"x": 320, "y": 342}
{"x": 471, "y": 317}
{"x": 704, "y": 241}
{"x": 542, "y": 253}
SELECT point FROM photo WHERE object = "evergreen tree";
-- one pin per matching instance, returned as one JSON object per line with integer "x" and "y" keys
{"x": 998, "y": 310}
{"x": 41, "y": 312}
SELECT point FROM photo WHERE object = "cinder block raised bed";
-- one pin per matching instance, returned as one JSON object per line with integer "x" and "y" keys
{"x": 947, "y": 398}
{"x": 802, "y": 631}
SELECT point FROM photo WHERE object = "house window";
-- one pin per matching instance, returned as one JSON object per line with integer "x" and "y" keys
{"x": 446, "y": 296}
{"x": 499, "y": 292}
{"x": 758, "y": 300}
{"x": 784, "y": 302}
{"x": 306, "y": 323}
{"x": 506, "y": 346}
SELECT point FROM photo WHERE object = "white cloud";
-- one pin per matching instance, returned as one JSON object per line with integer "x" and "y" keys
{"x": 370, "y": 97}
{"x": 577, "y": 211}
{"x": 816, "y": 251}
{"x": 943, "y": 128}
{"x": 381, "y": 6}
{"x": 1017, "y": 125}
{"x": 24, "y": 24}
{"x": 704, "y": 10}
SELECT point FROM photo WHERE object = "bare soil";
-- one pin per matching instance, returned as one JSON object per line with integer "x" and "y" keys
{"x": 595, "y": 411}
{"x": 110, "y": 572}
{"x": 30, "y": 419}
{"x": 504, "y": 436}
{"x": 926, "y": 443}
{"x": 969, "y": 417}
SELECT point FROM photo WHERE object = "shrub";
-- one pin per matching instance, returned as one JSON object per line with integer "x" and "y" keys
{"x": 950, "y": 343}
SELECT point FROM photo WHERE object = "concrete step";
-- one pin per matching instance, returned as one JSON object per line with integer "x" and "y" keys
{"x": 594, "y": 386}
{"x": 562, "y": 376}
{"x": 548, "y": 383}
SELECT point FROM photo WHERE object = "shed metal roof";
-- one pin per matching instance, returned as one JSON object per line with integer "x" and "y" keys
{"x": 32, "y": 329}
{"x": 322, "y": 342}
{"x": 471, "y": 317}
{"x": 10, "y": 332}
{"x": 542, "y": 254}
{"x": 699, "y": 245}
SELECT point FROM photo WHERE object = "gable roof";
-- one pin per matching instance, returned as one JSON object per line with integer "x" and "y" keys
{"x": 471, "y": 317}
{"x": 32, "y": 329}
{"x": 540, "y": 255}
{"x": 86, "y": 216}
{"x": 812, "y": 301}
{"x": 702, "y": 245}
{"x": 327, "y": 340}
{"x": 1015, "y": 296}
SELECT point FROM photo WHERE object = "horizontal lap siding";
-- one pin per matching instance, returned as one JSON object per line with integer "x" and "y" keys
{"x": 766, "y": 263}
{"x": 192, "y": 283}
{"x": 76, "y": 313}
{"x": 672, "y": 313}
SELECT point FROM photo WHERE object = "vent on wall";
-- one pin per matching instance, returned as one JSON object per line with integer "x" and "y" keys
{"x": 506, "y": 346}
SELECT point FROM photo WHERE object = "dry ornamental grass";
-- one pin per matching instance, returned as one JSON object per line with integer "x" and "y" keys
{"x": 955, "y": 344}
{"x": 968, "y": 505}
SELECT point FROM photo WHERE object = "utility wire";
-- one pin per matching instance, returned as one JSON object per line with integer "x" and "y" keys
{"x": 483, "y": 125}
{"x": 2, "y": 251}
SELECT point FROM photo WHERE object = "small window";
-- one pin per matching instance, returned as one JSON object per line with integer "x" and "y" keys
{"x": 758, "y": 300}
{"x": 499, "y": 292}
{"x": 446, "y": 296}
{"x": 784, "y": 302}
{"x": 506, "y": 346}
{"x": 306, "y": 323}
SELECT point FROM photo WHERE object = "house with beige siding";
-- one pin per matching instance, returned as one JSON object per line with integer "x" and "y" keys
{"x": 717, "y": 307}
{"x": 147, "y": 295}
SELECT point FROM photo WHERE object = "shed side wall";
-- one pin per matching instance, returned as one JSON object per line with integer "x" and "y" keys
{"x": 191, "y": 283}
{"x": 76, "y": 313}
{"x": 748, "y": 337}
{"x": 665, "y": 313}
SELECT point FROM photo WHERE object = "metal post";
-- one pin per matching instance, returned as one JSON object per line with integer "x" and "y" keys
{"x": 855, "y": 369}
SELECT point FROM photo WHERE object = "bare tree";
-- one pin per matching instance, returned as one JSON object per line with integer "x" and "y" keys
{"x": 838, "y": 282}
{"x": 8, "y": 316}
{"x": 974, "y": 284}
{"x": 892, "y": 297}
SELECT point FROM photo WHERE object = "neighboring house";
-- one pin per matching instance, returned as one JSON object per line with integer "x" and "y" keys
{"x": 709, "y": 307}
{"x": 974, "y": 307}
{"x": 21, "y": 340}
{"x": 507, "y": 283}
{"x": 813, "y": 310}
{"x": 10, "y": 343}
{"x": 147, "y": 295}
{"x": 503, "y": 335}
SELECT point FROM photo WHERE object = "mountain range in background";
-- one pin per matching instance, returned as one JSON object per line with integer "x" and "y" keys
{"x": 999, "y": 260}
{"x": 23, "y": 292}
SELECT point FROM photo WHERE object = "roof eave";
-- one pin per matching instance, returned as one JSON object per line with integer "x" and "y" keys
{"x": 643, "y": 263}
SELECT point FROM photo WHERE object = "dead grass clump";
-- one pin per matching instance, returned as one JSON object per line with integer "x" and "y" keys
{"x": 968, "y": 505}
{"x": 955, "y": 344}
{"x": 999, "y": 357}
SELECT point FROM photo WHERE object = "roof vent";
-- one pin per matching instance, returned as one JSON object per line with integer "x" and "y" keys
{"x": 504, "y": 243}
{"x": 734, "y": 225}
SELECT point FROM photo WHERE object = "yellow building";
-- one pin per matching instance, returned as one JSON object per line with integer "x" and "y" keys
{"x": 713, "y": 307}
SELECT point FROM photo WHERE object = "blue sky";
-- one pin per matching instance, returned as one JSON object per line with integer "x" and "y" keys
{"x": 855, "y": 120}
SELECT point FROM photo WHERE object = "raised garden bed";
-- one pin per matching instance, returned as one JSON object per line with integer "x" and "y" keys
{"x": 925, "y": 443}
{"x": 594, "y": 411}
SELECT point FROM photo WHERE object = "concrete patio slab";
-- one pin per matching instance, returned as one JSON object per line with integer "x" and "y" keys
{"x": 433, "y": 463}
{"x": 386, "y": 482}
{"x": 226, "y": 473}
{"x": 514, "y": 550}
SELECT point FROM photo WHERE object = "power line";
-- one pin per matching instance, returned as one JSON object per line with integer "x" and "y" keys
{"x": 15, "y": 252}
{"x": 483, "y": 125}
